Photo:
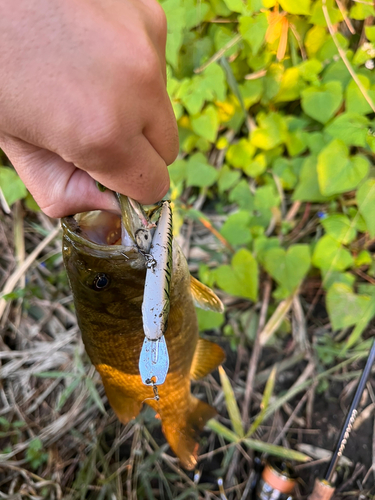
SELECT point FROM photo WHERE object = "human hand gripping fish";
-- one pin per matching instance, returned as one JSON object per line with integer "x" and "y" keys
{"x": 109, "y": 261}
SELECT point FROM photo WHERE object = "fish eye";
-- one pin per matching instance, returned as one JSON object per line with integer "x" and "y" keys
{"x": 101, "y": 281}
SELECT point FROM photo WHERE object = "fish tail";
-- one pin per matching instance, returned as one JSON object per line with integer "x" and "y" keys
{"x": 182, "y": 435}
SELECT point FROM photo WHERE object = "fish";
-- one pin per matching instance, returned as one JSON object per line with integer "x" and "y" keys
{"x": 106, "y": 267}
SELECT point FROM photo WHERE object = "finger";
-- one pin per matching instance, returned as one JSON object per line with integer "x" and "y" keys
{"x": 59, "y": 188}
{"x": 130, "y": 167}
{"x": 162, "y": 132}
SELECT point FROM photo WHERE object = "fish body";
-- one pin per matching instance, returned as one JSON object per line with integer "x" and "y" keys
{"x": 108, "y": 282}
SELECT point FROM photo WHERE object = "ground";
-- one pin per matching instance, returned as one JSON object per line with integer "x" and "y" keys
{"x": 60, "y": 439}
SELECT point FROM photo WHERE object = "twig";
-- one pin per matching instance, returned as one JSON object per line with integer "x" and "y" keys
{"x": 276, "y": 319}
{"x": 219, "y": 53}
{"x": 3, "y": 203}
{"x": 346, "y": 19}
{"x": 289, "y": 422}
{"x": 344, "y": 58}
{"x": 257, "y": 349}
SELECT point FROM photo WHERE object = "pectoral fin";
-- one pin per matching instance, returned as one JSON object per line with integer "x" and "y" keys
{"x": 207, "y": 357}
{"x": 204, "y": 297}
{"x": 125, "y": 408}
{"x": 182, "y": 435}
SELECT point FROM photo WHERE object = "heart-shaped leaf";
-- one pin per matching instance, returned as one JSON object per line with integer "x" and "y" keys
{"x": 321, "y": 103}
{"x": 199, "y": 172}
{"x": 206, "y": 124}
{"x": 241, "y": 277}
{"x": 11, "y": 185}
{"x": 288, "y": 268}
{"x": 345, "y": 307}
{"x": 337, "y": 172}
{"x": 329, "y": 255}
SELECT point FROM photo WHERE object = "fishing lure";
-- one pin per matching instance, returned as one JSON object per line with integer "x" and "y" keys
{"x": 154, "y": 359}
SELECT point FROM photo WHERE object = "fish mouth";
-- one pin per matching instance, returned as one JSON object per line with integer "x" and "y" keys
{"x": 101, "y": 231}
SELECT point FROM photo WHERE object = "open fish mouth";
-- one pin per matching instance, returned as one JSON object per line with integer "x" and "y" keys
{"x": 106, "y": 231}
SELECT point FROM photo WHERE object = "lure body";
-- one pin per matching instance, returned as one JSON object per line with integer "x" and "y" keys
{"x": 156, "y": 298}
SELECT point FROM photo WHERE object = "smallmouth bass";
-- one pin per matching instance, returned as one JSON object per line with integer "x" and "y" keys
{"x": 108, "y": 282}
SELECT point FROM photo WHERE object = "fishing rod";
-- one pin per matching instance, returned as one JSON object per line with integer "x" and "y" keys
{"x": 323, "y": 489}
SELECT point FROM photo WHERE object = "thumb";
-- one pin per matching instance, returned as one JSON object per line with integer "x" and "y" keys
{"x": 58, "y": 187}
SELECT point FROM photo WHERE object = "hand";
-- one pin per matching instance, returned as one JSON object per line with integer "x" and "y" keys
{"x": 83, "y": 97}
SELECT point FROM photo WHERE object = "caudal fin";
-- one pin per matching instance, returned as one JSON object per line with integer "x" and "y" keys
{"x": 181, "y": 435}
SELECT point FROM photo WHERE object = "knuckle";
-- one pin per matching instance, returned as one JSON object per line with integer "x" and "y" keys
{"x": 98, "y": 133}
{"x": 148, "y": 66}
{"x": 160, "y": 19}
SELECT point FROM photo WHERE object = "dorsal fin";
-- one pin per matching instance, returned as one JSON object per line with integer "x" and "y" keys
{"x": 204, "y": 297}
{"x": 207, "y": 357}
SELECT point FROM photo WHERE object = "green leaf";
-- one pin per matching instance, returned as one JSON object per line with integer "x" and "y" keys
{"x": 206, "y": 124}
{"x": 227, "y": 178}
{"x": 314, "y": 40}
{"x": 284, "y": 171}
{"x": 310, "y": 69}
{"x": 317, "y": 15}
{"x": 308, "y": 187}
{"x": 355, "y": 101}
{"x": 199, "y": 173}
{"x": 208, "y": 86}
{"x": 242, "y": 195}
{"x": 231, "y": 403}
{"x": 266, "y": 197}
{"x": 361, "y": 11}
{"x": 177, "y": 171}
{"x": 296, "y": 6}
{"x": 337, "y": 277}
{"x": 251, "y": 92}
{"x": 262, "y": 245}
{"x": 366, "y": 204}
{"x": 175, "y": 14}
{"x": 235, "y": 5}
{"x": 265, "y": 401}
{"x": 11, "y": 185}
{"x": 253, "y": 30}
{"x": 236, "y": 228}
{"x": 271, "y": 449}
{"x": 345, "y": 307}
{"x": 239, "y": 155}
{"x": 288, "y": 268}
{"x": 337, "y": 172}
{"x": 329, "y": 255}
{"x": 257, "y": 166}
{"x": 340, "y": 227}
{"x": 90, "y": 385}
{"x": 272, "y": 131}
{"x": 321, "y": 103}
{"x": 209, "y": 320}
{"x": 351, "y": 128}
{"x": 241, "y": 277}
{"x": 34, "y": 454}
{"x": 370, "y": 33}
{"x": 291, "y": 86}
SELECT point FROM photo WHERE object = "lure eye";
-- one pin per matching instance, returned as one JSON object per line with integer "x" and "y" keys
{"x": 101, "y": 281}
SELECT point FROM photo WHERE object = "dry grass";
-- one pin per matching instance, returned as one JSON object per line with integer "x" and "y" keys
{"x": 60, "y": 440}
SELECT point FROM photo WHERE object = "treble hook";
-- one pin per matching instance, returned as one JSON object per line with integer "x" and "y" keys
{"x": 156, "y": 397}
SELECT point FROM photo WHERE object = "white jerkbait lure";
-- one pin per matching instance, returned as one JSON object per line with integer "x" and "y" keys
{"x": 154, "y": 359}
